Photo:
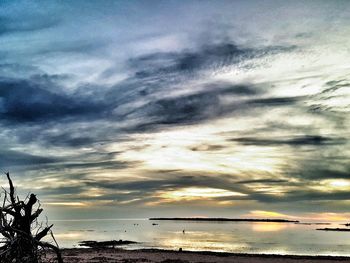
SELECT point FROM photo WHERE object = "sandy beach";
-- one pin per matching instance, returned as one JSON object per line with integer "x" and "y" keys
{"x": 84, "y": 255}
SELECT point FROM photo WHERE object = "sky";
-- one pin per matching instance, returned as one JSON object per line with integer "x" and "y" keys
{"x": 130, "y": 109}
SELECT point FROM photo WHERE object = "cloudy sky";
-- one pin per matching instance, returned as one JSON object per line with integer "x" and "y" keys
{"x": 177, "y": 108}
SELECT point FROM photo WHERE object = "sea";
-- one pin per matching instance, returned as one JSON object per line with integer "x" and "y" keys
{"x": 236, "y": 237}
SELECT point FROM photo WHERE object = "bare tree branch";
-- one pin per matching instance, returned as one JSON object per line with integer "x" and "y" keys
{"x": 20, "y": 230}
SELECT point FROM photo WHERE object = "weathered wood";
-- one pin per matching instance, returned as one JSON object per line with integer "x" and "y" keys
{"x": 43, "y": 233}
{"x": 12, "y": 189}
{"x": 17, "y": 221}
{"x": 54, "y": 248}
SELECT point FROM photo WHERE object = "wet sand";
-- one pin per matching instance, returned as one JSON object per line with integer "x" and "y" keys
{"x": 84, "y": 255}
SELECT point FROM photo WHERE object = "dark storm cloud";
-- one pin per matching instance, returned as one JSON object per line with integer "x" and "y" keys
{"x": 22, "y": 101}
{"x": 159, "y": 72}
{"x": 302, "y": 195}
{"x": 34, "y": 100}
{"x": 263, "y": 181}
{"x": 102, "y": 161}
{"x": 38, "y": 102}
{"x": 214, "y": 57}
{"x": 68, "y": 140}
{"x": 300, "y": 192}
{"x": 103, "y": 165}
{"x": 188, "y": 62}
{"x": 196, "y": 107}
{"x": 278, "y": 101}
{"x": 310, "y": 140}
{"x": 144, "y": 190}
{"x": 172, "y": 180}
{"x": 324, "y": 170}
{"x": 200, "y": 107}
{"x": 11, "y": 158}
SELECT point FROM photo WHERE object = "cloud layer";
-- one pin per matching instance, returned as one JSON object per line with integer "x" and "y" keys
{"x": 105, "y": 107}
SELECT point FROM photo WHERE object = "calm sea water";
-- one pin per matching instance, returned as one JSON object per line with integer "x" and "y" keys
{"x": 246, "y": 237}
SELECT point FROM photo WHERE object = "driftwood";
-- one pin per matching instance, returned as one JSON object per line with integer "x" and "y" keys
{"x": 20, "y": 232}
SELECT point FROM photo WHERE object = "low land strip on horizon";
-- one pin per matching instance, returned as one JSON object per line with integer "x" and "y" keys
{"x": 223, "y": 219}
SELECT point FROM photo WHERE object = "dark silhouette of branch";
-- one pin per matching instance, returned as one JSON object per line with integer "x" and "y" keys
{"x": 21, "y": 233}
{"x": 43, "y": 233}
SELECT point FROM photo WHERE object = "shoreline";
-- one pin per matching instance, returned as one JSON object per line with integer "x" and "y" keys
{"x": 109, "y": 255}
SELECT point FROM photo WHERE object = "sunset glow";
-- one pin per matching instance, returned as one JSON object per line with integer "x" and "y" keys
{"x": 196, "y": 193}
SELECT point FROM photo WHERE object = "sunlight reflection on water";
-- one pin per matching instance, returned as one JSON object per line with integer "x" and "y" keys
{"x": 245, "y": 237}
{"x": 269, "y": 227}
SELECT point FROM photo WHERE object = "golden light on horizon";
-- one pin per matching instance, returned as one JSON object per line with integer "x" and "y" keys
{"x": 313, "y": 217}
{"x": 93, "y": 192}
{"x": 331, "y": 185}
{"x": 336, "y": 217}
{"x": 276, "y": 190}
{"x": 71, "y": 235}
{"x": 54, "y": 182}
{"x": 339, "y": 183}
{"x": 74, "y": 204}
{"x": 129, "y": 201}
{"x": 195, "y": 193}
{"x": 268, "y": 227}
{"x": 81, "y": 204}
{"x": 268, "y": 214}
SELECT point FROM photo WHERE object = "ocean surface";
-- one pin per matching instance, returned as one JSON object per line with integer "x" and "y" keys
{"x": 245, "y": 237}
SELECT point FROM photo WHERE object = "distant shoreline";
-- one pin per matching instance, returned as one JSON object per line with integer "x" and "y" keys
{"x": 334, "y": 229}
{"x": 219, "y": 219}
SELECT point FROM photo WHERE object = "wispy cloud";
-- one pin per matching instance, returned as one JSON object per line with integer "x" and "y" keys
{"x": 114, "y": 108}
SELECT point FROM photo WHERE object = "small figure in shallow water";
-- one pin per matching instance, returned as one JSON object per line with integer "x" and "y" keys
{"x": 183, "y": 231}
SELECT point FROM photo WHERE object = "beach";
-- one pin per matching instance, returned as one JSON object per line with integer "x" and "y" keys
{"x": 109, "y": 255}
